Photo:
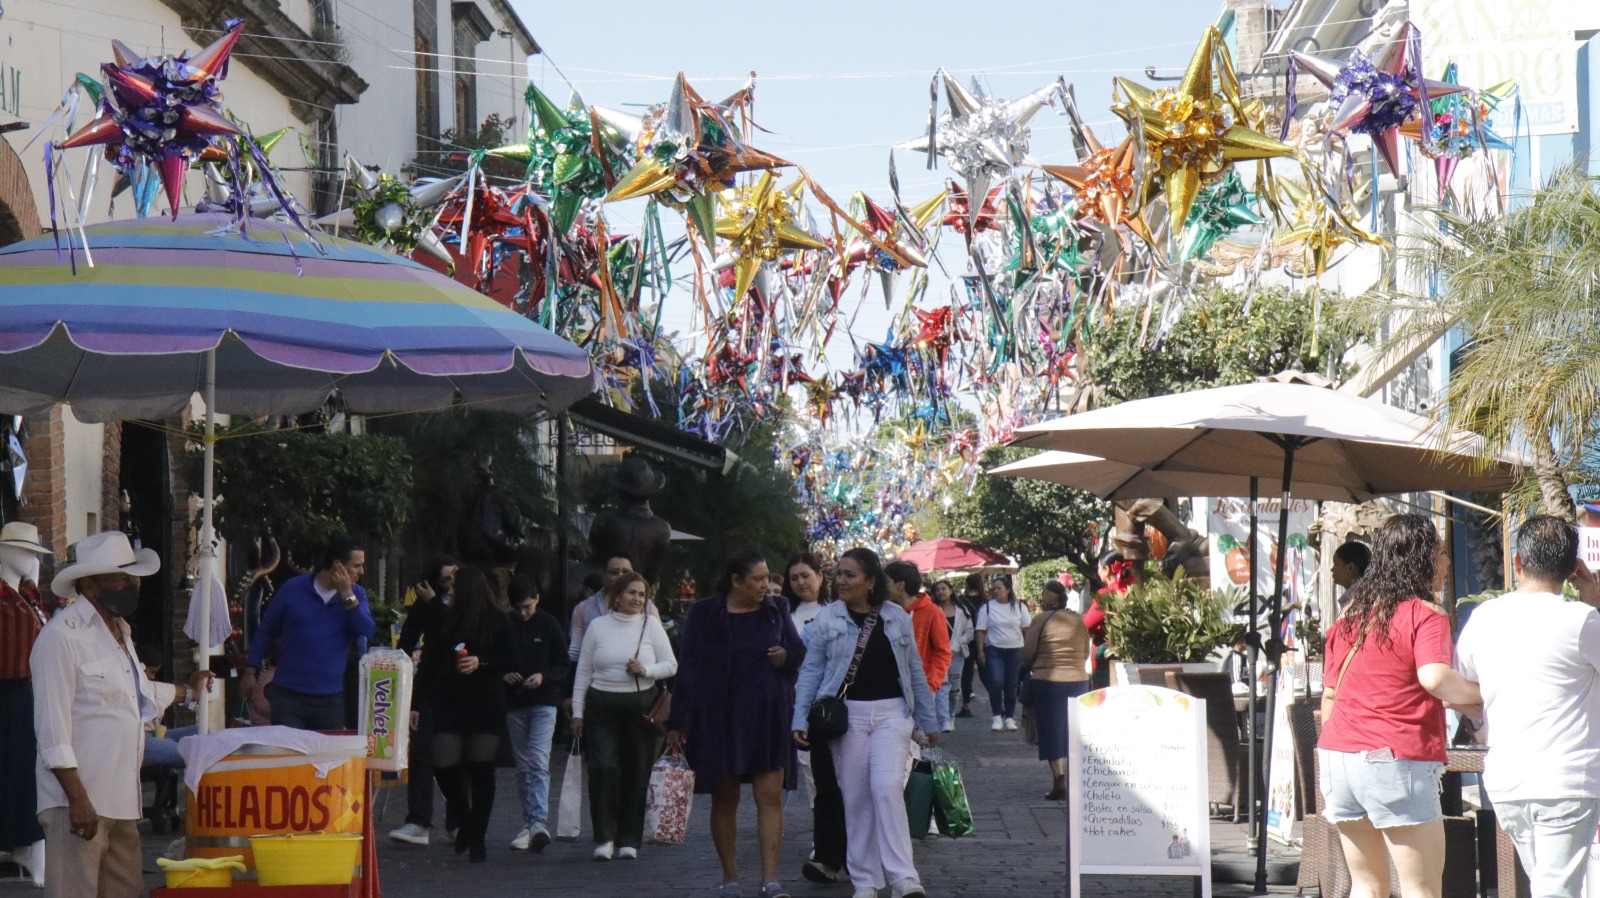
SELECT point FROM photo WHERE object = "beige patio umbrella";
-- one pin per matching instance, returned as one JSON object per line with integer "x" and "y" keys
{"x": 1281, "y": 425}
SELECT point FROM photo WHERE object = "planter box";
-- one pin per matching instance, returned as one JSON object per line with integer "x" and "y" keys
{"x": 1124, "y": 673}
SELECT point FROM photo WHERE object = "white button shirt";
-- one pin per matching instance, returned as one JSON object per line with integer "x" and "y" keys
{"x": 90, "y": 703}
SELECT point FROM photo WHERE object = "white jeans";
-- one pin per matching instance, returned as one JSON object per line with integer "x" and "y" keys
{"x": 1552, "y": 839}
{"x": 870, "y": 759}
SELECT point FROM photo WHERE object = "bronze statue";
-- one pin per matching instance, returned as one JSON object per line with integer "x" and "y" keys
{"x": 632, "y": 529}
{"x": 494, "y": 533}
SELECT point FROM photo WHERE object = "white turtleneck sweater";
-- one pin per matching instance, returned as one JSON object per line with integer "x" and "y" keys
{"x": 609, "y": 644}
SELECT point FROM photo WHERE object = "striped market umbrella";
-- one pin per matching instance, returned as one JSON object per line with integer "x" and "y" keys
{"x": 289, "y": 320}
{"x": 131, "y": 319}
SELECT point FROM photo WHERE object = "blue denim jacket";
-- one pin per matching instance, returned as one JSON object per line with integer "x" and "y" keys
{"x": 831, "y": 642}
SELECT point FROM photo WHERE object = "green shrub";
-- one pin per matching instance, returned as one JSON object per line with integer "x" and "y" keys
{"x": 1169, "y": 621}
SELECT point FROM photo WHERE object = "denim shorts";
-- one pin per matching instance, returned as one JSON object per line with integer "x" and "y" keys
{"x": 1390, "y": 791}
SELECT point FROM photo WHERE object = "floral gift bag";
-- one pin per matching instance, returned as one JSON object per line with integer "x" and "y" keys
{"x": 671, "y": 797}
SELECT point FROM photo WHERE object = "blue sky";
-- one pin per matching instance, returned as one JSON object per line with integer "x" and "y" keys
{"x": 838, "y": 83}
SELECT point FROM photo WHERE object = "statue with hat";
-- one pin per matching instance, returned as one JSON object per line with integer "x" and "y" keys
{"x": 632, "y": 528}
{"x": 494, "y": 533}
{"x": 22, "y": 615}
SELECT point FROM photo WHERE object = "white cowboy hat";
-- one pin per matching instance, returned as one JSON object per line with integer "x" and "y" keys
{"x": 103, "y": 553}
{"x": 19, "y": 535}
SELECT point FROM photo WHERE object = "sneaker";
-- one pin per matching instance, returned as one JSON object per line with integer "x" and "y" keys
{"x": 730, "y": 890}
{"x": 538, "y": 838}
{"x": 950, "y": 727}
{"x": 449, "y": 833}
{"x": 864, "y": 892}
{"x": 411, "y": 834}
{"x": 774, "y": 889}
{"x": 964, "y": 712}
{"x": 1011, "y": 725}
{"x": 997, "y": 724}
{"x": 818, "y": 872}
{"x": 628, "y": 853}
{"x": 521, "y": 840}
{"x": 604, "y": 851}
{"x": 907, "y": 888}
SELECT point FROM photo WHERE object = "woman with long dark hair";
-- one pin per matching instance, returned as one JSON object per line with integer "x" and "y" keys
{"x": 624, "y": 653}
{"x": 1382, "y": 748}
{"x": 1055, "y": 652}
{"x": 862, "y": 649}
{"x": 803, "y": 585}
{"x": 807, "y": 591}
{"x": 731, "y": 708}
{"x": 999, "y": 628}
{"x": 459, "y": 681}
{"x": 959, "y": 625}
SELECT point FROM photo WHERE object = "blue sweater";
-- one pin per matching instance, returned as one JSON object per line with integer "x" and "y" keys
{"x": 314, "y": 637}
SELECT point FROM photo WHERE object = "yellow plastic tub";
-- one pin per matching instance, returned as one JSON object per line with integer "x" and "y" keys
{"x": 201, "y": 873}
{"x": 306, "y": 859}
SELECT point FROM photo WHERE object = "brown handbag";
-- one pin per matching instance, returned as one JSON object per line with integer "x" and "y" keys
{"x": 654, "y": 720}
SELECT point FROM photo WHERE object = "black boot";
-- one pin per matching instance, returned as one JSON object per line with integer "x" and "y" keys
{"x": 453, "y": 782}
{"x": 481, "y": 776}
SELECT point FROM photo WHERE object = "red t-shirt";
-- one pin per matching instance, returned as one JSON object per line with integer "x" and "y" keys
{"x": 1380, "y": 704}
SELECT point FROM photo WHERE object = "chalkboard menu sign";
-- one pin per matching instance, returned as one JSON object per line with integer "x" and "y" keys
{"x": 1138, "y": 765}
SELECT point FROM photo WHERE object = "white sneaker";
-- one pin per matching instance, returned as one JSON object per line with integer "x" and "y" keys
{"x": 864, "y": 892}
{"x": 997, "y": 725}
{"x": 950, "y": 727}
{"x": 907, "y": 888}
{"x": 522, "y": 839}
{"x": 1011, "y": 725}
{"x": 604, "y": 851}
{"x": 628, "y": 853}
{"x": 411, "y": 834}
{"x": 538, "y": 838}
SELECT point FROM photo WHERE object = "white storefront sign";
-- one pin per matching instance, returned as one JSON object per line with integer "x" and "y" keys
{"x": 1530, "y": 42}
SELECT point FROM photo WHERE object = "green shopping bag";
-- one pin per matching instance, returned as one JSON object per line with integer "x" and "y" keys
{"x": 919, "y": 799}
{"x": 950, "y": 810}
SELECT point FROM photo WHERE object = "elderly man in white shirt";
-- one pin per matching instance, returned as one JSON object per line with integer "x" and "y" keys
{"x": 91, "y": 699}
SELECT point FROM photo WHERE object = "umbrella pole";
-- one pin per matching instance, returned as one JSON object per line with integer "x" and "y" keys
{"x": 1274, "y": 650}
{"x": 1255, "y": 658}
{"x": 208, "y": 536}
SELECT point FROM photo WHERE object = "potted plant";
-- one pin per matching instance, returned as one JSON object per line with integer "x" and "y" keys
{"x": 1170, "y": 620}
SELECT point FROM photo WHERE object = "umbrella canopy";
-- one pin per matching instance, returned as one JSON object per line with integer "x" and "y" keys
{"x": 1359, "y": 446}
{"x": 1114, "y": 480}
{"x": 128, "y": 337}
{"x": 950, "y": 554}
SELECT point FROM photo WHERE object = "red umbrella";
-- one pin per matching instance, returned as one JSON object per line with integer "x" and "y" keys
{"x": 948, "y": 554}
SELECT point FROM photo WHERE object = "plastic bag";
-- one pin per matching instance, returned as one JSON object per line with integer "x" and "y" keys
{"x": 386, "y": 708}
{"x": 951, "y": 813}
{"x": 919, "y": 798}
{"x": 670, "y": 799}
{"x": 569, "y": 809}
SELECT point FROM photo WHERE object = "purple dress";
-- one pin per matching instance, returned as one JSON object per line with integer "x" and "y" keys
{"x": 732, "y": 705}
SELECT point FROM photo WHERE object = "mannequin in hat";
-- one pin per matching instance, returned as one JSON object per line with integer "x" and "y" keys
{"x": 633, "y": 529}
{"x": 22, "y": 616}
{"x": 91, "y": 698}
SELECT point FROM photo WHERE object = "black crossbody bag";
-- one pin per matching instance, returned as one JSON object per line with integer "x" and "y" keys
{"x": 828, "y": 718}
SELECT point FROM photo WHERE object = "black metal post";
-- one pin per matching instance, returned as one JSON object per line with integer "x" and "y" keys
{"x": 1274, "y": 653}
{"x": 1253, "y": 768}
{"x": 561, "y": 514}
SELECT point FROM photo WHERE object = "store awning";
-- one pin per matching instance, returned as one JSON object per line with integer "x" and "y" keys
{"x": 651, "y": 435}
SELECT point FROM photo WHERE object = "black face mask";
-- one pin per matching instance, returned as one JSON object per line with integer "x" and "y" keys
{"x": 119, "y": 602}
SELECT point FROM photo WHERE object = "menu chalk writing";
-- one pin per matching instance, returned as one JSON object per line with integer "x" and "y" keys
{"x": 1139, "y": 765}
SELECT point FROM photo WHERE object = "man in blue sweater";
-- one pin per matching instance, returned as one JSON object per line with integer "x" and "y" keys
{"x": 313, "y": 619}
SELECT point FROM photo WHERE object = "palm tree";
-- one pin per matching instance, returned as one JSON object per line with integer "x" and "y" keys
{"x": 1521, "y": 288}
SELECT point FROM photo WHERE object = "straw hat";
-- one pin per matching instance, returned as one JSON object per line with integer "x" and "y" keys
{"x": 19, "y": 535}
{"x": 104, "y": 553}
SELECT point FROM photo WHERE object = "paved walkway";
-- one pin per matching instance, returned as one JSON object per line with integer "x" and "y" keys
{"x": 1018, "y": 848}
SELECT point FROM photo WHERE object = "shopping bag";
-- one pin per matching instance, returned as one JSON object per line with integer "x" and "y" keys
{"x": 569, "y": 810}
{"x": 919, "y": 799}
{"x": 670, "y": 799}
{"x": 951, "y": 812}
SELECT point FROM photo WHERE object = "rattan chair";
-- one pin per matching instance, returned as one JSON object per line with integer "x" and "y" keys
{"x": 1226, "y": 756}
